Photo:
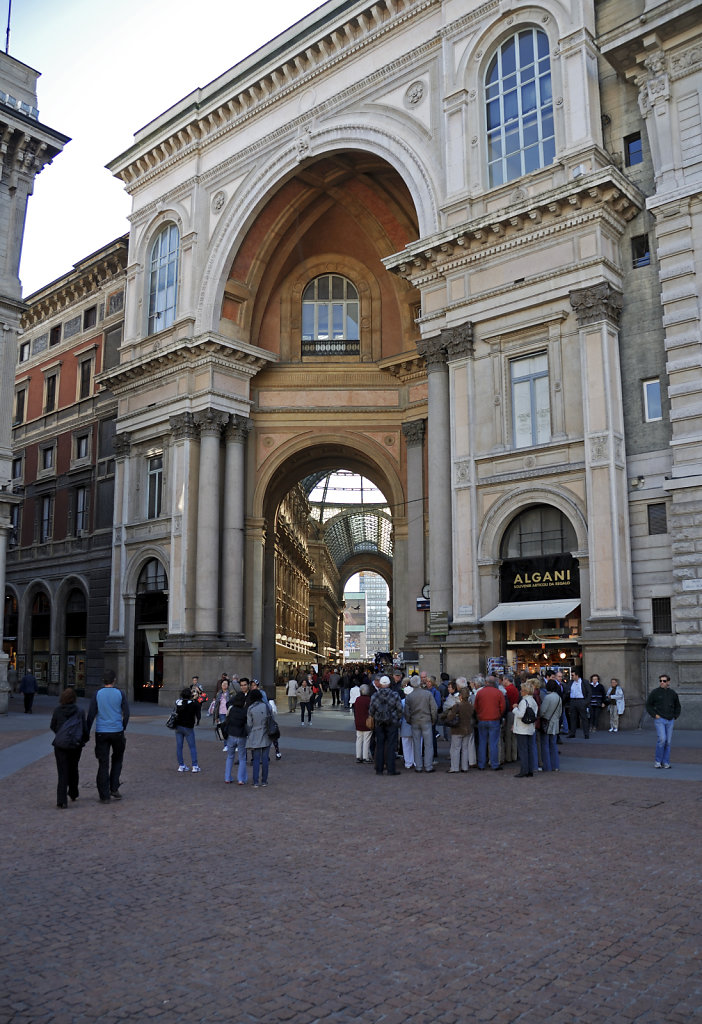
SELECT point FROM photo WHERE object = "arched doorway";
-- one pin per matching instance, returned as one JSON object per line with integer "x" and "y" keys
{"x": 539, "y": 615}
{"x": 41, "y": 639}
{"x": 150, "y": 626}
{"x": 76, "y": 639}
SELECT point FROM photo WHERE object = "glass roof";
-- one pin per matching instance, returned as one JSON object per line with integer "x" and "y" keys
{"x": 354, "y": 513}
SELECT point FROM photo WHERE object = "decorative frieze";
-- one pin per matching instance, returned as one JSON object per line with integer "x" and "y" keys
{"x": 599, "y": 302}
{"x": 462, "y": 473}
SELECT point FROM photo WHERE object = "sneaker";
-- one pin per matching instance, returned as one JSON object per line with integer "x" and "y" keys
{"x": 666, "y": 766}
{"x": 278, "y": 757}
{"x": 183, "y": 768}
{"x": 657, "y": 764}
{"x": 115, "y": 795}
{"x": 255, "y": 785}
{"x": 225, "y": 750}
{"x": 263, "y": 784}
{"x": 196, "y": 769}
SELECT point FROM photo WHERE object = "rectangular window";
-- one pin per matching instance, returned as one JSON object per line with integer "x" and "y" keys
{"x": 15, "y": 526}
{"x": 662, "y": 616}
{"x": 640, "y": 253}
{"x": 89, "y": 318}
{"x": 85, "y": 376}
{"x": 652, "y": 400}
{"x": 46, "y": 524}
{"x": 17, "y": 470}
{"x": 47, "y": 459}
{"x": 154, "y": 486}
{"x": 633, "y": 150}
{"x": 531, "y": 409}
{"x": 20, "y": 402}
{"x": 81, "y": 506}
{"x": 82, "y": 446}
{"x": 50, "y": 392}
{"x": 657, "y": 518}
{"x": 55, "y": 335}
{"x": 24, "y": 351}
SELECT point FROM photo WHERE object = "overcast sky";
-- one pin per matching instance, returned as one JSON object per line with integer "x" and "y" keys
{"x": 106, "y": 70}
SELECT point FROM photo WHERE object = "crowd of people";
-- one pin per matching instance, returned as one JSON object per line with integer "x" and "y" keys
{"x": 488, "y": 722}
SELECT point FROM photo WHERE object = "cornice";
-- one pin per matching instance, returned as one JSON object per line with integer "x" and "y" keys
{"x": 190, "y": 353}
{"x": 605, "y": 192}
{"x": 86, "y": 278}
{"x": 297, "y": 70}
{"x": 405, "y": 367}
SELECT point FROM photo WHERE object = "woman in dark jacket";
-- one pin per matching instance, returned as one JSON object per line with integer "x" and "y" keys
{"x": 187, "y": 714}
{"x": 236, "y": 738}
{"x": 67, "y": 758}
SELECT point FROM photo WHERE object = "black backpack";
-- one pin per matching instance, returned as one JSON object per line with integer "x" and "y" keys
{"x": 70, "y": 735}
{"x": 529, "y": 716}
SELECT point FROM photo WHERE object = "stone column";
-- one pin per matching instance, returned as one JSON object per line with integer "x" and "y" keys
{"x": 233, "y": 532}
{"x": 210, "y": 423}
{"x": 414, "y": 433}
{"x": 255, "y": 551}
{"x": 184, "y": 465}
{"x": 439, "y": 484}
{"x": 4, "y": 660}
{"x": 122, "y": 445}
{"x": 612, "y": 640}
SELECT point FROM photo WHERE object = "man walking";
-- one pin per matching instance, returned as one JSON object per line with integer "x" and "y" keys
{"x": 110, "y": 712}
{"x": 28, "y": 687}
{"x": 663, "y": 705}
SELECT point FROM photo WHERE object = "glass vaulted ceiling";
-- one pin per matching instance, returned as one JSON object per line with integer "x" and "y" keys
{"x": 354, "y": 513}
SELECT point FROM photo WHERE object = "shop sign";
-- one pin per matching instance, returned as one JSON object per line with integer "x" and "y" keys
{"x": 546, "y": 578}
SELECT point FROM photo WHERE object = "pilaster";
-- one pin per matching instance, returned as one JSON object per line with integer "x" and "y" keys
{"x": 210, "y": 422}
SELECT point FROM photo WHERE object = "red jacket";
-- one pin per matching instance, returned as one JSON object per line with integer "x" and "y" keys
{"x": 489, "y": 704}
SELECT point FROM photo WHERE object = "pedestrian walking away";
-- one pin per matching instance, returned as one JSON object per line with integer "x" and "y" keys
{"x": 109, "y": 711}
{"x": 69, "y": 724}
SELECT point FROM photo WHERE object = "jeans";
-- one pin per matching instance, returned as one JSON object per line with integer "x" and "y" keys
{"x": 336, "y": 696}
{"x": 306, "y": 704}
{"x": 489, "y": 732}
{"x": 385, "y": 747}
{"x": 108, "y": 777}
{"x": 664, "y": 736}
{"x": 260, "y": 760}
{"x": 182, "y": 732}
{"x": 549, "y": 752}
{"x": 526, "y": 749}
{"x": 346, "y": 697}
{"x": 424, "y": 732}
{"x": 235, "y": 743}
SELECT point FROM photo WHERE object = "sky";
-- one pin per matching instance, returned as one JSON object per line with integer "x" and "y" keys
{"x": 106, "y": 70}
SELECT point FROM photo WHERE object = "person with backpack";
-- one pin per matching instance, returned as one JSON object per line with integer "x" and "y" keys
{"x": 68, "y": 722}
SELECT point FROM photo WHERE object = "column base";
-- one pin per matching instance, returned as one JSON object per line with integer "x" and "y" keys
{"x": 206, "y": 657}
{"x": 614, "y": 648}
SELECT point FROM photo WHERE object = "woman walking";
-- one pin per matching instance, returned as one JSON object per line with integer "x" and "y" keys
{"x": 68, "y": 722}
{"x": 187, "y": 715}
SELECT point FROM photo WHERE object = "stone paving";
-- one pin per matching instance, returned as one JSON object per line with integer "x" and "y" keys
{"x": 334, "y": 895}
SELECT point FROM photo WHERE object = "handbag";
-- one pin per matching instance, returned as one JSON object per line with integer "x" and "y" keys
{"x": 172, "y": 720}
{"x": 370, "y": 723}
{"x": 272, "y": 727}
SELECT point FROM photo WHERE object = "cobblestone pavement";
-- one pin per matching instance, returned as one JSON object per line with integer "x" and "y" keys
{"x": 334, "y": 895}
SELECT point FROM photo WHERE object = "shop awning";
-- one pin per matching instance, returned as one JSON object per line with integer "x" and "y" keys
{"x": 518, "y": 611}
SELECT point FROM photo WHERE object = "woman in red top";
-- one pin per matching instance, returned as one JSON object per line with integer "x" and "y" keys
{"x": 363, "y": 733}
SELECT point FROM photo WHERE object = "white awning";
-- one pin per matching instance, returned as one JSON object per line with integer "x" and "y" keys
{"x": 517, "y": 611}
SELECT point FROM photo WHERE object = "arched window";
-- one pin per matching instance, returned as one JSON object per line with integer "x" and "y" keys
{"x": 163, "y": 278}
{"x": 330, "y": 317}
{"x": 519, "y": 107}
{"x": 152, "y": 578}
{"x": 539, "y": 530}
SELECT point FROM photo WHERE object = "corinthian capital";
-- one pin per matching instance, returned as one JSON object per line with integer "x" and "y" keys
{"x": 183, "y": 426}
{"x": 121, "y": 444}
{"x": 210, "y": 422}
{"x": 600, "y": 302}
{"x": 237, "y": 429}
{"x": 433, "y": 351}
{"x": 458, "y": 341}
{"x": 414, "y": 432}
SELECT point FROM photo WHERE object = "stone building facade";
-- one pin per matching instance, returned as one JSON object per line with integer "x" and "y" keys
{"x": 27, "y": 147}
{"x": 452, "y": 246}
{"x": 60, "y": 546}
